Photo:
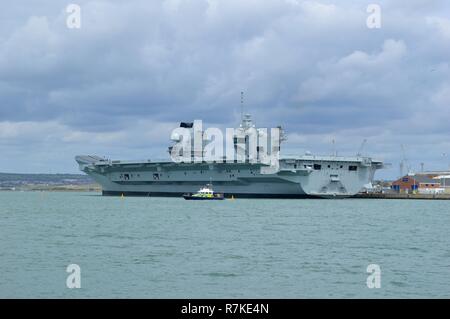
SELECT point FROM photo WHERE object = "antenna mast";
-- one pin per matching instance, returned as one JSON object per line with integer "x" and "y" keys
{"x": 334, "y": 147}
{"x": 242, "y": 106}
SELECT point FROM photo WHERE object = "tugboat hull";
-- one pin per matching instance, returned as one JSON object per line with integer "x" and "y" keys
{"x": 202, "y": 198}
{"x": 192, "y": 197}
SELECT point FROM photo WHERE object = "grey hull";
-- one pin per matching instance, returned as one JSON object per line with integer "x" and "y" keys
{"x": 294, "y": 178}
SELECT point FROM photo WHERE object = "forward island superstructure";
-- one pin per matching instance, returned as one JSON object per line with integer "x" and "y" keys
{"x": 284, "y": 177}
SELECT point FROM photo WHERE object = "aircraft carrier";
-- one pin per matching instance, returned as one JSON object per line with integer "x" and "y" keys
{"x": 300, "y": 176}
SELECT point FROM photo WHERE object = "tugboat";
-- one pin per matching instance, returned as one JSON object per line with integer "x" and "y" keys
{"x": 205, "y": 193}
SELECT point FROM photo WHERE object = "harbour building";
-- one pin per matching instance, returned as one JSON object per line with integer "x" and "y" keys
{"x": 433, "y": 182}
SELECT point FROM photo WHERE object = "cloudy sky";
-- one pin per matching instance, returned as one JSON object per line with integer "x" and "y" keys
{"x": 119, "y": 84}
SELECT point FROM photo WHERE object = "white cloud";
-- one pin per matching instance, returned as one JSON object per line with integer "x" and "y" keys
{"x": 391, "y": 52}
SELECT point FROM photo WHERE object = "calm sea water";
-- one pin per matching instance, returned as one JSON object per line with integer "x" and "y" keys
{"x": 172, "y": 248}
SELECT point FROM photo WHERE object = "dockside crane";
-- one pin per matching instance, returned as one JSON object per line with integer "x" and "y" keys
{"x": 404, "y": 163}
{"x": 361, "y": 148}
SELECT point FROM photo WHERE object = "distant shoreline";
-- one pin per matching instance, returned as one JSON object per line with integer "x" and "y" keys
{"x": 54, "y": 188}
{"x": 48, "y": 182}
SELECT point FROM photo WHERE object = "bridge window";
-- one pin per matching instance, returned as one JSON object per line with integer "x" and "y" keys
{"x": 317, "y": 167}
{"x": 352, "y": 168}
